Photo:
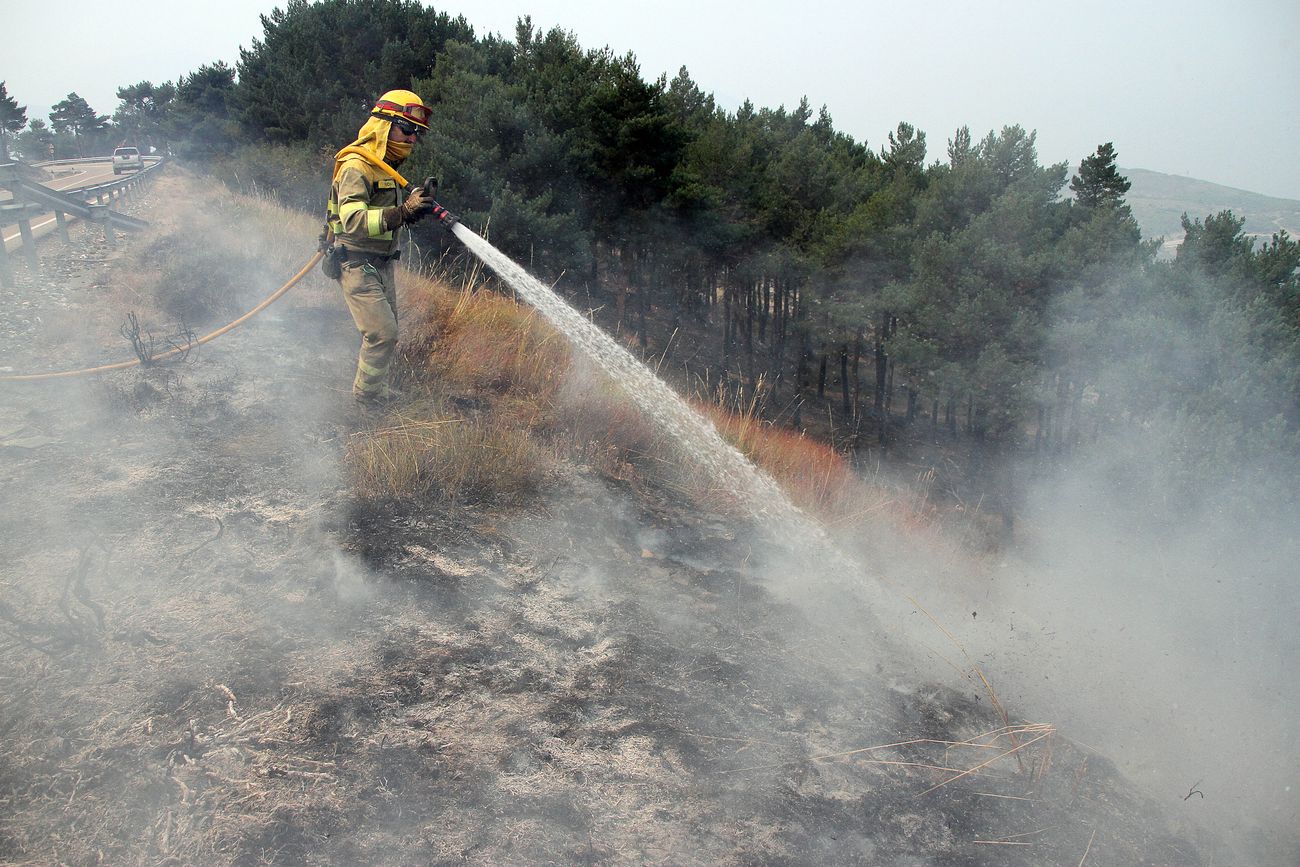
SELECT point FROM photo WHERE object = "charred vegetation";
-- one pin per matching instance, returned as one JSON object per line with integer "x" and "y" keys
{"x": 542, "y": 642}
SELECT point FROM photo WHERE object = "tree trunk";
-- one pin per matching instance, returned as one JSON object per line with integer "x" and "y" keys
{"x": 845, "y": 394}
{"x": 857, "y": 376}
{"x": 751, "y": 297}
{"x": 884, "y": 330}
{"x": 800, "y": 378}
{"x": 882, "y": 372}
{"x": 889, "y": 389}
{"x": 726, "y": 331}
{"x": 1062, "y": 411}
{"x": 642, "y": 288}
{"x": 776, "y": 367}
{"x": 801, "y": 365}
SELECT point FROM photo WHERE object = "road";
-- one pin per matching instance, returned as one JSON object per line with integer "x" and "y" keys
{"x": 72, "y": 176}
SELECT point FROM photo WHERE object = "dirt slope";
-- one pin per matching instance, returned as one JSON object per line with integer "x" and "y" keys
{"x": 211, "y": 654}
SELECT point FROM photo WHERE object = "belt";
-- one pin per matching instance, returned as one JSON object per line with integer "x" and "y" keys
{"x": 372, "y": 258}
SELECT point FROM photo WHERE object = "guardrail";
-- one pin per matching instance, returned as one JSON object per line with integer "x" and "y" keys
{"x": 93, "y": 202}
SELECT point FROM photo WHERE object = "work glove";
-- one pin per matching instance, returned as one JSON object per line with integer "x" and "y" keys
{"x": 417, "y": 204}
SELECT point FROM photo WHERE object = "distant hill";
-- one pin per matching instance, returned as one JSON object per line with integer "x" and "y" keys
{"x": 1159, "y": 201}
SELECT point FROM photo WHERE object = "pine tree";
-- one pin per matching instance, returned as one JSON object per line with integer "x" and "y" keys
{"x": 141, "y": 113}
{"x": 36, "y": 142}
{"x": 906, "y": 152}
{"x": 74, "y": 115}
{"x": 318, "y": 67}
{"x": 1098, "y": 181}
{"x": 959, "y": 147}
{"x": 13, "y": 117}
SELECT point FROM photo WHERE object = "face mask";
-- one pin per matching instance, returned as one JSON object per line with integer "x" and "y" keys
{"x": 398, "y": 150}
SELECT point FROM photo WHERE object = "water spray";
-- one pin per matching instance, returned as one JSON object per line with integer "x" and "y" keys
{"x": 690, "y": 430}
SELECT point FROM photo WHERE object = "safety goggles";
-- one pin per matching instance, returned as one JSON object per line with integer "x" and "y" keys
{"x": 417, "y": 112}
{"x": 405, "y": 126}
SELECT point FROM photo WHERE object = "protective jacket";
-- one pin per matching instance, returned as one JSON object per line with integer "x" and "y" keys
{"x": 360, "y": 194}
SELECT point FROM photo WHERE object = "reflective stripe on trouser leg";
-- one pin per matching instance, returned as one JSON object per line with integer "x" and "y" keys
{"x": 369, "y": 380}
{"x": 372, "y": 300}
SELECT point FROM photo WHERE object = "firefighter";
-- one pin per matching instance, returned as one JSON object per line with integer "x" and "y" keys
{"x": 366, "y": 208}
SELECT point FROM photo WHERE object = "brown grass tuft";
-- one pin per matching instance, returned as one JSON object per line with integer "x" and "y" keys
{"x": 474, "y": 339}
{"x": 421, "y": 453}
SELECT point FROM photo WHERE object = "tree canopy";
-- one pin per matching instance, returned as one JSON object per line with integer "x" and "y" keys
{"x": 13, "y": 117}
{"x": 967, "y": 297}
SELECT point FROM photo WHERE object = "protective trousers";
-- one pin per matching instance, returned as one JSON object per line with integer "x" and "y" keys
{"x": 372, "y": 297}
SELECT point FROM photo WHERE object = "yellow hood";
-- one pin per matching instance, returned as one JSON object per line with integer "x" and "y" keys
{"x": 372, "y": 138}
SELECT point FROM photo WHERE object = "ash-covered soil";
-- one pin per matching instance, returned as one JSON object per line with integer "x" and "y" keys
{"x": 211, "y": 654}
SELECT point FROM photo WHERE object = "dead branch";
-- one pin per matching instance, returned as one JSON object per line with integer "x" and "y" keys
{"x": 183, "y": 343}
{"x": 41, "y": 648}
{"x": 1014, "y": 750}
{"x": 76, "y": 586}
{"x": 141, "y": 340}
{"x": 221, "y": 529}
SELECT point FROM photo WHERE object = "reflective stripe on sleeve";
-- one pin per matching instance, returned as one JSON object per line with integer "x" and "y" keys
{"x": 350, "y": 208}
{"x": 375, "y": 223}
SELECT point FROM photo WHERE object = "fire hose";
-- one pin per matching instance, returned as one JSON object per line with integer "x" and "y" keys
{"x": 85, "y": 371}
{"x": 269, "y": 300}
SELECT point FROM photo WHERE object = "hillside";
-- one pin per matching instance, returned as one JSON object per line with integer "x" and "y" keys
{"x": 228, "y": 638}
{"x": 1159, "y": 200}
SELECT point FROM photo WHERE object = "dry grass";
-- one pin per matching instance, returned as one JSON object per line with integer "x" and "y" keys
{"x": 473, "y": 339}
{"x": 949, "y": 761}
{"x": 420, "y": 452}
{"x": 461, "y": 338}
{"x": 464, "y": 343}
{"x": 212, "y": 261}
{"x": 818, "y": 479}
{"x": 533, "y": 402}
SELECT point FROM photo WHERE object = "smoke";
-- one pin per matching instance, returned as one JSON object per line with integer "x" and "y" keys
{"x": 1164, "y": 633}
{"x": 1146, "y": 606}
{"x": 610, "y": 676}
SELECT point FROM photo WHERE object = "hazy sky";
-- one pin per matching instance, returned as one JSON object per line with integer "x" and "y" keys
{"x": 1194, "y": 87}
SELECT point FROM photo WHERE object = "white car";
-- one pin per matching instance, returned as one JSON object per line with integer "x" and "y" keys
{"x": 127, "y": 158}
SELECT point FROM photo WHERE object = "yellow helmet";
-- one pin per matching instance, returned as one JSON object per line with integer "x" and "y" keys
{"x": 403, "y": 105}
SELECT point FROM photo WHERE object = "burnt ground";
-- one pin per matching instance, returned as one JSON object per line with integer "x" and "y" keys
{"x": 211, "y": 653}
